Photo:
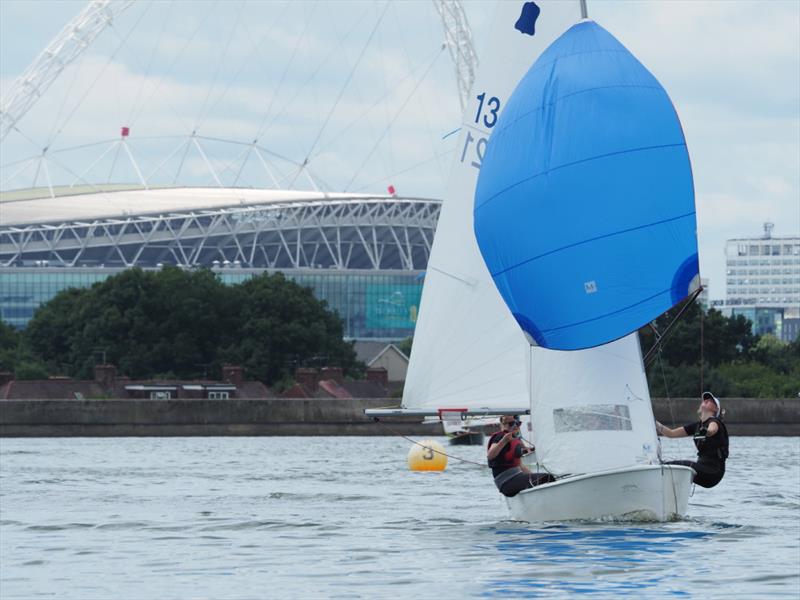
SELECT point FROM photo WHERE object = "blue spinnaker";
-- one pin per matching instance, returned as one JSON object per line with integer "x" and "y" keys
{"x": 584, "y": 207}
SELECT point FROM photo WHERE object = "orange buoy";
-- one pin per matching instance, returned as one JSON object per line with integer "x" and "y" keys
{"x": 427, "y": 455}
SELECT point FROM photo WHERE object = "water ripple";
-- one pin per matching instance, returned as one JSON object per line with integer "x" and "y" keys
{"x": 240, "y": 518}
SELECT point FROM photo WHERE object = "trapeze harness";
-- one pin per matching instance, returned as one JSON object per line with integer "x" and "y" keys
{"x": 509, "y": 477}
{"x": 712, "y": 451}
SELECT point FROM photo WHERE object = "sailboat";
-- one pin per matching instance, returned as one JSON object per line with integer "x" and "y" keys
{"x": 561, "y": 235}
{"x": 468, "y": 431}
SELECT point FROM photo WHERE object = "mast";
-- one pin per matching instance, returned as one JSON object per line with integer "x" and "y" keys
{"x": 584, "y": 11}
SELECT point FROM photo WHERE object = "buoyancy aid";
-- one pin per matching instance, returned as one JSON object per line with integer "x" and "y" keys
{"x": 509, "y": 456}
{"x": 715, "y": 446}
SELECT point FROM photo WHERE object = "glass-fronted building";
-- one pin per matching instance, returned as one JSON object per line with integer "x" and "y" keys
{"x": 763, "y": 282}
{"x": 372, "y": 305}
{"x": 365, "y": 255}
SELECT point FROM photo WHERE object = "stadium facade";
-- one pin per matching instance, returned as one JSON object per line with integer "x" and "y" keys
{"x": 364, "y": 254}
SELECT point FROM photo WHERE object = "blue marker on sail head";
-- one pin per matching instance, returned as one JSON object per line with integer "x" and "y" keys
{"x": 584, "y": 207}
{"x": 527, "y": 19}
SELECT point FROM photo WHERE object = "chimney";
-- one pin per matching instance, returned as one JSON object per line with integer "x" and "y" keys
{"x": 233, "y": 374}
{"x": 105, "y": 375}
{"x": 379, "y": 375}
{"x": 308, "y": 378}
{"x": 334, "y": 373}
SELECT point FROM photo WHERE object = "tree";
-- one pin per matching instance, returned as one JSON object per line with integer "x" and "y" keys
{"x": 724, "y": 339}
{"x": 405, "y": 345}
{"x": 144, "y": 322}
{"x": 734, "y": 361}
{"x": 778, "y": 355}
{"x": 284, "y": 326}
{"x": 9, "y": 342}
{"x": 188, "y": 323}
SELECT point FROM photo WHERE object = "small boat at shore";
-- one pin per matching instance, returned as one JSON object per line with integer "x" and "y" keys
{"x": 466, "y": 437}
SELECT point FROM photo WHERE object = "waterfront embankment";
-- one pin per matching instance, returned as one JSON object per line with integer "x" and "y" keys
{"x": 312, "y": 417}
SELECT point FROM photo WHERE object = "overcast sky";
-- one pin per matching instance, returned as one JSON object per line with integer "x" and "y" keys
{"x": 366, "y": 92}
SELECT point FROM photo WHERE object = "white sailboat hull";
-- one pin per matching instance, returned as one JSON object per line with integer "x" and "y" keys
{"x": 639, "y": 493}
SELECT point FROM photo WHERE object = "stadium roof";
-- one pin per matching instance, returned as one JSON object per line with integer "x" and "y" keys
{"x": 78, "y": 204}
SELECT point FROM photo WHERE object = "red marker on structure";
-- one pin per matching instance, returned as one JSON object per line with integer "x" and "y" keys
{"x": 125, "y": 132}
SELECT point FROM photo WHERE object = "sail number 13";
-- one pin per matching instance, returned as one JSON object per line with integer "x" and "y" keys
{"x": 490, "y": 114}
{"x": 488, "y": 110}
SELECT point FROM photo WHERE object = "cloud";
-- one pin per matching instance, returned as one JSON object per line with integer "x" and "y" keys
{"x": 731, "y": 68}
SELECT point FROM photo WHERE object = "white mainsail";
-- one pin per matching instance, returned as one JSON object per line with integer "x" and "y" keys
{"x": 468, "y": 350}
{"x": 591, "y": 408}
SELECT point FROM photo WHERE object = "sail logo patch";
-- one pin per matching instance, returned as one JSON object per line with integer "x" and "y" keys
{"x": 527, "y": 19}
{"x": 590, "y": 287}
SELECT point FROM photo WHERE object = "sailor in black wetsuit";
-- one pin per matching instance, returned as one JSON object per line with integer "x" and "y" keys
{"x": 504, "y": 452}
{"x": 710, "y": 437}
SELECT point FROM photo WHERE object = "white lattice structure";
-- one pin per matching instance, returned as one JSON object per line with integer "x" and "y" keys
{"x": 66, "y": 47}
{"x": 269, "y": 229}
{"x": 458, "y": 37}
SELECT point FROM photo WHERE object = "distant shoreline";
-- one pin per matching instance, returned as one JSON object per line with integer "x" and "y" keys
{"x": 312, "y": 417}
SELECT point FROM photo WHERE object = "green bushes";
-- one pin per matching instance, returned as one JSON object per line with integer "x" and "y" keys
{"x": 731, "y": 361}
{"x": 187, "y": 323}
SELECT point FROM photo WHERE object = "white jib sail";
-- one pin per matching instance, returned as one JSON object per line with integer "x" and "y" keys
{"x": 591, "y": 409}
{"x": 468, "y": 351}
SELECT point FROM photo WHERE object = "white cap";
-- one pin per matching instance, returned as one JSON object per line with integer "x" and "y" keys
{"x": 714, "y": 398}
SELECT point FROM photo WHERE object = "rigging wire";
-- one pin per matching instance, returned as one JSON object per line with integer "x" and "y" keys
{"x": 64, "y": 100}
{"x": 425, "y": 161}
{"x": 397, "y": 114}
{"x": 389, "y": 153}
{"x": 164, "y": 22}
{"x": 114, "y": 162}
{"x": 202, "y": 116}
{"x": 359, "y": 99}
{"x": 253, "y": 52}
{"x": 335, "y": 137}
{"x": 344, "y": 87}
{"x": 123, "y": 41}
{"x": 702, "y": 345}
{"x": 263, "y": 127}
{"x": 171, "y": 67}
{"x": 672, "y": 418}
{"x": 442, "y": 167}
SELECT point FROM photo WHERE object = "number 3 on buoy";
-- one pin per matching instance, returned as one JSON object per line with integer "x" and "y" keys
{"x": 427, "y": 455}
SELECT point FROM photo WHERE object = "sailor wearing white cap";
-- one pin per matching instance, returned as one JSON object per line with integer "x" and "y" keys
{"x": 710, "y": 438}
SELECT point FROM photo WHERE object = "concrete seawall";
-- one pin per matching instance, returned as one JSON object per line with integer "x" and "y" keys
{"x": 310, "y": 417}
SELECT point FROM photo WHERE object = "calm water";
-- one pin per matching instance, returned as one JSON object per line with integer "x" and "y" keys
{"x": 343, "y": 517}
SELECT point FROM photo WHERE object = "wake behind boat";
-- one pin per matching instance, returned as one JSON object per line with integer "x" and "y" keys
{"x": 581, "y": 231}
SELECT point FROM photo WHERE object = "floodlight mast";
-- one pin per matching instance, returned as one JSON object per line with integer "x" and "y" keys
{"x": 458, "y": 38}
{"x": 68, "y": 45}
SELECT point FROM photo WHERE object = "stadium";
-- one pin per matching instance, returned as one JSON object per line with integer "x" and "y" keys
{"x": 211, "y": 178}
{"x": 363, "y": 254}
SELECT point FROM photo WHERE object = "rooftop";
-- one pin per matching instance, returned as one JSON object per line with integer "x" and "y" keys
{"x": 26, "y": 207}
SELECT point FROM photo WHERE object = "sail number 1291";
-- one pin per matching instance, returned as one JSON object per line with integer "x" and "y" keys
{"x": 486, "y": 115}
